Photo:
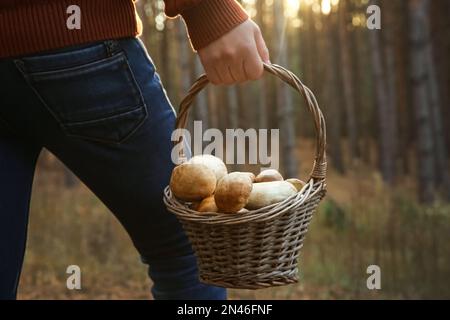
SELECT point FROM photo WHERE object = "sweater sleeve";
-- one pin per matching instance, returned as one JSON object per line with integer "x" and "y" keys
{"x": 207, "y": 20}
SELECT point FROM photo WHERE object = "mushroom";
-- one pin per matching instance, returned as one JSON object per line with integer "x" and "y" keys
{"x": 266, "y": 193}
{"x": 214, "y": 163}
{"x": 297, "y": 183}
{"x": 233, "y": 191}
{"x": 268, "y": 176}
{"x": 192, "y": 182}
{"x": 207, "y": 205}
{"x": 251, "y": 175}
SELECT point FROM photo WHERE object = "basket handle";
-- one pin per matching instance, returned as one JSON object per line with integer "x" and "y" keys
{"x": 320, "y": 163}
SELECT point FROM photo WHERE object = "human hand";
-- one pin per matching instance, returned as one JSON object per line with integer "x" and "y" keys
{"x": 237, "y": 56}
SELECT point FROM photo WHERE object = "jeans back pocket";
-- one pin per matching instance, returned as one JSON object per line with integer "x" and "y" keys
{"x": 96, "y": 99}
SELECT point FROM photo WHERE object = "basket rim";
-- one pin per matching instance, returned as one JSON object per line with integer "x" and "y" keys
{"x": 312, "y": 188}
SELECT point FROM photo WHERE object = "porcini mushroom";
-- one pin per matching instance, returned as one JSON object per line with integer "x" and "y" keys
{"x": 207, "y": 205}
{"x": 268, "y": 176}
{"x": 266, "y": 193}
{"x": 214, "y": 163}
{"x": 233, "y": 191}
{"x": 192, "y": 182}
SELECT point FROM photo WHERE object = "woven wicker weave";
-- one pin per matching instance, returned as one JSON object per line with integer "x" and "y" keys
{"x": 260, "y": 248}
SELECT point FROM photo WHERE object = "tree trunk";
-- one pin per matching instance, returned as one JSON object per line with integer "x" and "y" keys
{"x": 285, "y": 104}
{"x": 332, "y": 104}
{"x": 419, "y": 38}
{"x": 347, "y": 81}
{"x": 232, "y": 115}
{"x": 184, "y": 61}
{"x": 442, "y": 175}
{"x": 390, "y": 160}
{"x": 263, "y": 84}
{"x": 440, "y": 28}
{"x": 357, "y": 81}
{"x": 384, "y": 94}
{"x": 406, "y": 120}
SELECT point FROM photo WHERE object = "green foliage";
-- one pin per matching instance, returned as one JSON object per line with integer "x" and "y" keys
{"x": 334, "y": 215}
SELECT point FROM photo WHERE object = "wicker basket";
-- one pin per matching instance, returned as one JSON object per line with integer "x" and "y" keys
{"x": 260, "y": 248}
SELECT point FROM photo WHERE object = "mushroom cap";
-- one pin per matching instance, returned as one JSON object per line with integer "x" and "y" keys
{"x": 268, "y": 176}
{"x": 214, "y": 163}
{"x": 267, "y": 193}
{"x": 233, "y": 191}
{"x": 207, "y": 205}
{"x": 192, "y": 182}
{"x": 250, "y": 174}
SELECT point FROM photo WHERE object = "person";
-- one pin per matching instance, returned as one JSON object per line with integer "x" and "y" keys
{"x": 91, "y": 96}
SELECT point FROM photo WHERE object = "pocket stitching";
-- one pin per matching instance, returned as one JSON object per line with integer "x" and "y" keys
{"x": 110, "y": 117}
{"x": 137, "y": 93}
{"x": 136, "y": 128}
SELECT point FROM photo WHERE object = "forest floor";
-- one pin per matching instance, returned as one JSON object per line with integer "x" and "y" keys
{"x": 360, "y": 223}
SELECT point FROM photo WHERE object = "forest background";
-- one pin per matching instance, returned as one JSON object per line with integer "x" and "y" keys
{"x": 385, "y": 95}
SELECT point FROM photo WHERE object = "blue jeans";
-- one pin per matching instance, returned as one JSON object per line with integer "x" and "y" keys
{"x": 101, "y": 109}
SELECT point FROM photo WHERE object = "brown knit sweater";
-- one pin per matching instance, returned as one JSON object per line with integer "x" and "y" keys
{"x": 32, "y": 26}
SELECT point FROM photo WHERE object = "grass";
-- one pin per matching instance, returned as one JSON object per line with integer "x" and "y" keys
{"x": 361, "y": 222}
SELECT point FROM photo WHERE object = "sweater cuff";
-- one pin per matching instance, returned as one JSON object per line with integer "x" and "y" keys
{"x": 211, "y": 19}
